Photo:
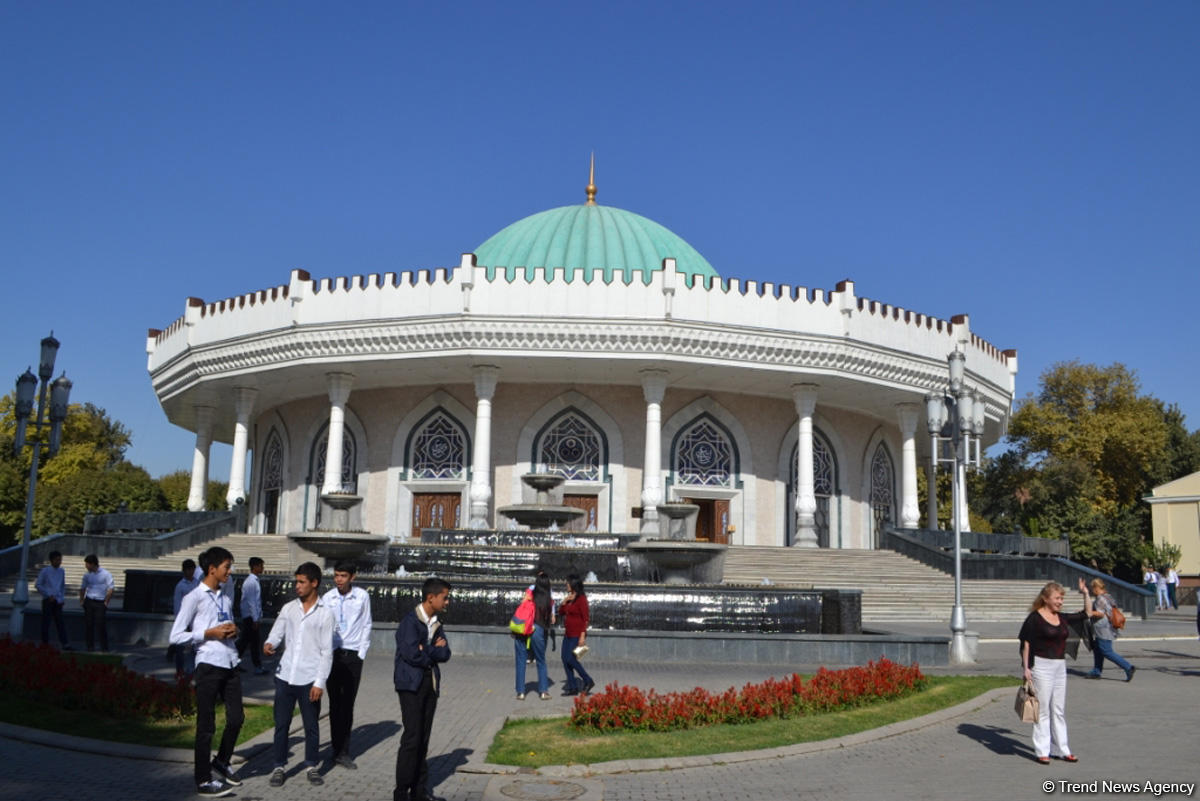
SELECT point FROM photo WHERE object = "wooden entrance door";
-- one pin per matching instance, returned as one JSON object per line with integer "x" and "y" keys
{"x": 712, "y": 521}
{"x": 589, "y": 504}
{"x": 436, "y": 510}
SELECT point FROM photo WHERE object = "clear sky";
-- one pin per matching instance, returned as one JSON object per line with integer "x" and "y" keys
{"x": 1032, "y": 164}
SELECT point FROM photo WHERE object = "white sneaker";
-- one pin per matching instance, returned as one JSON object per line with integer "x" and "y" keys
{"x": 213, "y": 789}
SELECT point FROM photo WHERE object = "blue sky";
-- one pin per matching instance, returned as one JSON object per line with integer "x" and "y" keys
{"x": 1034, "y": 165}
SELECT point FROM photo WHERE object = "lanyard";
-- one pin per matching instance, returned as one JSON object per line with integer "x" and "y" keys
{"x": 222, "y": 616}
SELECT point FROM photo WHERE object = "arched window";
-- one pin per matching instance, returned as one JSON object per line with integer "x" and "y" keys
{"x": 825, "y": 486}
{"x": 572, "y": 446}
{"x": 703, "y": 454}
{"x": 883, "y": 492}
{"x": 437, "y": 448}
{"x": 272, "y": 481}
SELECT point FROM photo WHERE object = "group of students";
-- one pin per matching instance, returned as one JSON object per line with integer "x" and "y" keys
{"x": 573, "y": 609}
{"x": 95, "y": 593}
{"x": 326, "y": 639}
{"x": 1164, "y": 584}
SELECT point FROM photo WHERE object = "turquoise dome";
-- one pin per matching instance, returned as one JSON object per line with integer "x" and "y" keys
{"x": 602, "y": 241}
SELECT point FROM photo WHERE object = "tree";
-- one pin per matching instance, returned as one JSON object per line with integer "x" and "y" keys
{"x": 178, "y": 485}
{"x": 1084, "y": 450}
{"x": 62, "y": 506}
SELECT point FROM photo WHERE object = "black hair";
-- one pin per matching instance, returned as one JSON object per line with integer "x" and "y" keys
{"x": 310, "y": 571}
{"x": 255, "y": 561}
{"x": 346, "y": 566}
{"x": 575, "y": 584}
{"x": 214, "y": 557}
{"x": 433, "y": 586}
{"x": 189, "y": 566}
{"x": 54, "y": 554}
{"x": 91, "y": 559}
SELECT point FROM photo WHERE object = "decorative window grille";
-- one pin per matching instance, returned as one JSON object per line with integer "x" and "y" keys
{"x": 704, "y": 456}
{"x": 572, "y": 448}
{"x": 439, "y": 450}
{"x": 883, "y": 494}
{"x": 349, "y": 452}
{"x": 273, "y": 463}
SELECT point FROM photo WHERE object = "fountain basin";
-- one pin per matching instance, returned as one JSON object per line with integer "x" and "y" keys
{"x": 538, "y": 516}
{"x": 336, "y": 545}
{"x": 682, "y": 561}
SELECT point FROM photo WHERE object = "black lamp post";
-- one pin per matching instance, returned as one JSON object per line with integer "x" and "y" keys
{"x": 60, "y": 392}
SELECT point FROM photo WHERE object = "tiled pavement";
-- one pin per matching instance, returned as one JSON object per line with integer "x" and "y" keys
{"x": 1144, "y": 731}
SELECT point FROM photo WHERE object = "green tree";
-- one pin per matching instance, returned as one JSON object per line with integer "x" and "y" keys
{"x": 62, "y": 506}
{"x": 177, "y": 486}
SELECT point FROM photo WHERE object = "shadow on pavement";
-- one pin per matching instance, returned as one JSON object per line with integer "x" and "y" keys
{"x": 995, "y": 739}
{"x": 442, "y": 766}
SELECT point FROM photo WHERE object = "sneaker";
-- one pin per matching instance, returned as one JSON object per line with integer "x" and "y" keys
{"x": 278, "y": 777}
{"x": 213, "y": 789}
{"x": 226, "y": 772}
{"x": 344, "y": 761}
{"x": 544, "y": 696}
{"x": 314, "y": 777}
{"x": 1129, "y": 673}
{"x": 1092, "y": 675}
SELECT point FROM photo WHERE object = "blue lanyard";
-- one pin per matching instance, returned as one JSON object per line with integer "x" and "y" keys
{"x": 213, "y": 596}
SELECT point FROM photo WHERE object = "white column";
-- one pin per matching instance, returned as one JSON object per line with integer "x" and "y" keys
{"x": 243, "y": 404}
{"x": 805, "y": 397}
{"x": 199, "y": 488}
{"x": 654, "y": 388}
{"x": 339, "y": 393}
{"x": 481, "y": 466}
{"x": 910, "y": 511}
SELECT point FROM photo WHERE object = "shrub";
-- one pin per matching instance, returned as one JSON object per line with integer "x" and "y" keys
{"x": 631, "y": 709}
{"x": 47, "y": 676}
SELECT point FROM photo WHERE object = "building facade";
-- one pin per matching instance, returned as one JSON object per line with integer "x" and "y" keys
{"x": 584, "y": 340}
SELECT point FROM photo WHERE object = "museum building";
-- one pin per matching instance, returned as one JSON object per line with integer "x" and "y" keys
{"x": 584, "y": 340}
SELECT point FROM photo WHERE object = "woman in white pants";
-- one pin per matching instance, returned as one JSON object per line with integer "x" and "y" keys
{"x": 1043, "y": 650}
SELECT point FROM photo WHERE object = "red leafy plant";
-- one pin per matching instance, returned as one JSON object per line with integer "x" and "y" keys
{"x": 621, "y": 708}
{"x": 47, "y": 676}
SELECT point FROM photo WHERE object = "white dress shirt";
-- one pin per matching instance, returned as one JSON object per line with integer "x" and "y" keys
{"x": 97, "y": 585}
{"x": 51, "y": 582}
{"x": 308, "y": 636}
{"x": 351, "y": 619}
{"x": 201, "y": 610}
{"x": 252, "y": 598}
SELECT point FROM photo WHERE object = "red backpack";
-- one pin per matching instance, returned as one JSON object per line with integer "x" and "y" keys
{"x": 522, "y": 620}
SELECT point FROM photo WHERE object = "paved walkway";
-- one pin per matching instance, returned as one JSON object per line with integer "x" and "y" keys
{"x": 1140, "y": 732}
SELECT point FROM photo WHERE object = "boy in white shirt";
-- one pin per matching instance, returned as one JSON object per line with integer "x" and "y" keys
{"x": 305, "y": 625}
{"x": 95, "y": 592}
{"x": 205, "y": 622}
{"x": 52, "y": 584}
{"x": 351, "y": 609}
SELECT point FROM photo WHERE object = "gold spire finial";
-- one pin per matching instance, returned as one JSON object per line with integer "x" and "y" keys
{"x": 591, "y": 187}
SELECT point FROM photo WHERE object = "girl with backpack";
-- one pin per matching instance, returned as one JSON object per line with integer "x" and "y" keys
{"x": 543, "y": 619}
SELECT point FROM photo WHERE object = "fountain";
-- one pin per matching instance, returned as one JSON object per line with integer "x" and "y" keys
{"x": 678, "y": 557}
{"x": 333, "y": 539}
{"x": 541, "y": 514}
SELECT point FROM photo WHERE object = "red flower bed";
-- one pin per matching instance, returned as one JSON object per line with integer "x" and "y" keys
{"x": 47, "y": 676}
{"x": 631, "y": 709}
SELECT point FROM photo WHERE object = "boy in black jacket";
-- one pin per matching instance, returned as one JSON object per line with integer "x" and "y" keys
{"x": 420, "y": 647}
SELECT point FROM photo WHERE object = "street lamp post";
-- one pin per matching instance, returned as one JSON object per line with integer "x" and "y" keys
{"x": 60, "y": 392}
{"x": 956, "y": 416}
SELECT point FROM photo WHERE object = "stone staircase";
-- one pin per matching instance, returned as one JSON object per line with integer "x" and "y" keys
{"x": 894, "y": 587}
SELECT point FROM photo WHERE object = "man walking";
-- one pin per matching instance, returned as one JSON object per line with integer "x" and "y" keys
{"x": 351, "y": 609}
{"x": 306, "y": 627}
{"x": 52, "y": 584}
{"x": 95, "y": 592}
{"x": 251, "y": 615}
{"x": 420, "y": 647}
{"x": 205, "y": 622}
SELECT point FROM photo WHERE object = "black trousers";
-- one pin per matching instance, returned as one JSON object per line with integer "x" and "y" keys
{"x": 416, "y": 714}
{"x": 342, "y": 687}
{"x": 213, "y": 683}
{"x": 95, "y": 621}
{"x": 52, "y": 610}
{"x": 252, "y": 637}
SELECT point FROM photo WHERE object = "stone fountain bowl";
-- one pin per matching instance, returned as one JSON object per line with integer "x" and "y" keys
{"x": 683, "y": 561}
{"x": 335, "y": 545}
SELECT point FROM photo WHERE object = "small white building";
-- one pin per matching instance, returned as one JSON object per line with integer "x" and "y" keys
{"x": 585, "y": 340}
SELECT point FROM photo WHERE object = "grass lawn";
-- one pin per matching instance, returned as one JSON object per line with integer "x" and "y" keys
{"x": 534, "y": 743}
{"x": 162, "y": 733}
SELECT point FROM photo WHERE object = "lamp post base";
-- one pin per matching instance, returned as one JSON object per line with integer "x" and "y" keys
{"x": 964, "y": 646}
{"x": 16, "y": 618}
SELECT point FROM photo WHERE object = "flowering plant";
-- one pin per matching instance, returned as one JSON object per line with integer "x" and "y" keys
{"x": 631, "y": 709}
{"x": 45, "y": 675}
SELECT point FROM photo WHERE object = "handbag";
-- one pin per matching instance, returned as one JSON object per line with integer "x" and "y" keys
{"x": 1027, "y": 706}
{"x": 1117, "y": 618}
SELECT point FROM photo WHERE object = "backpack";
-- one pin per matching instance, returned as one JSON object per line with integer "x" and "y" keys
{"x": 522, "y": 620}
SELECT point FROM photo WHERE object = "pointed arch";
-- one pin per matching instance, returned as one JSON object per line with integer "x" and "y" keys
{"x": 826, "y": 489}
{"x": 353, "y": 464}
{"x": 882, "y": 498}
{"x": 279, "y": 517}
